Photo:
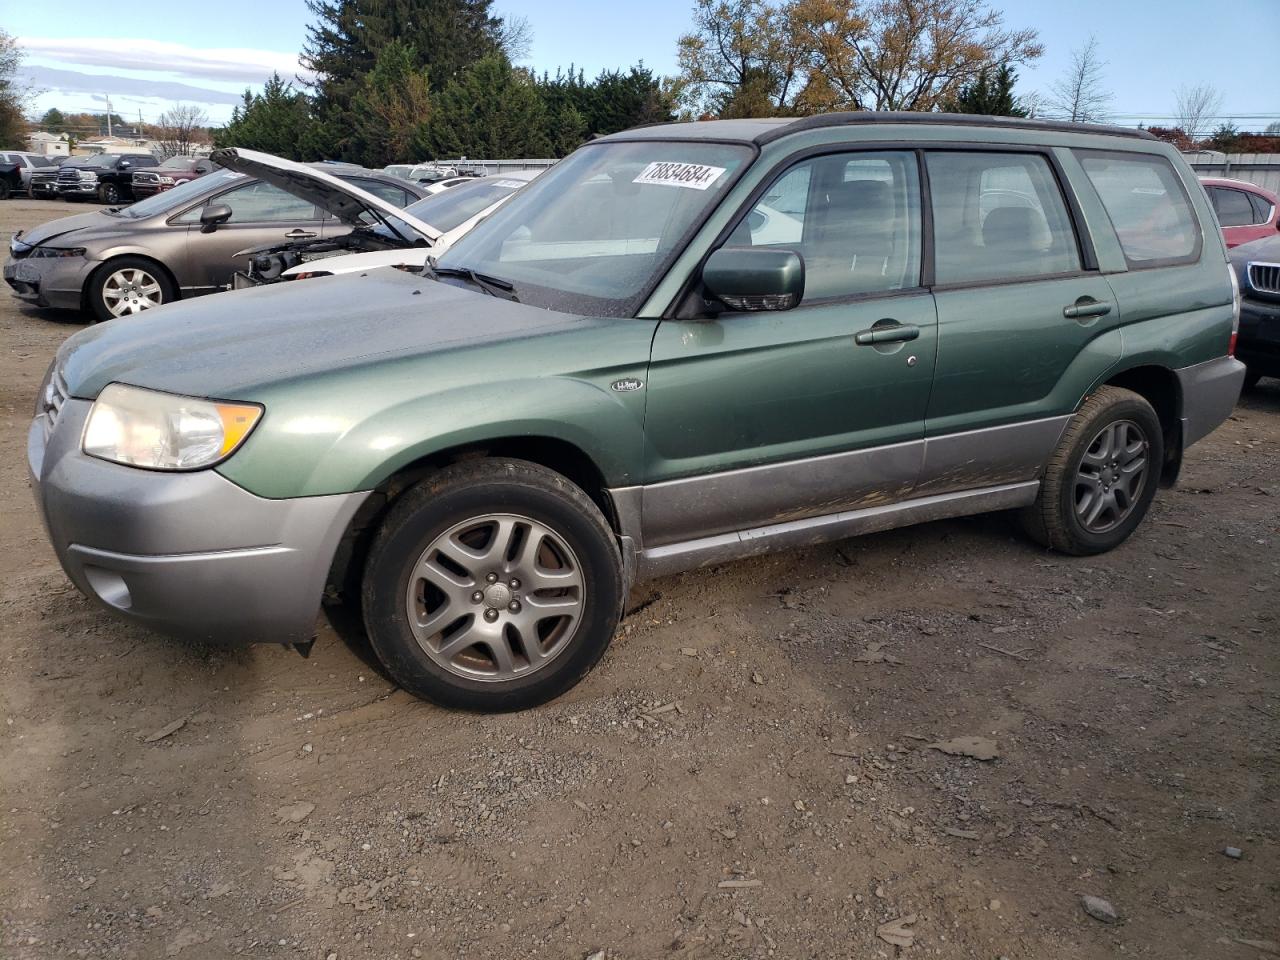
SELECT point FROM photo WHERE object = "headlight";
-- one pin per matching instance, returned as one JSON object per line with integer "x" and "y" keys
{"x": 165, "y": 179}
{"x": 162, "y": 431}
{"x": 40, "y": 253}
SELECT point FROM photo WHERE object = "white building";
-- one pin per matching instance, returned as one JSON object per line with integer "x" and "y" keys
{"x": 48, "y": 144}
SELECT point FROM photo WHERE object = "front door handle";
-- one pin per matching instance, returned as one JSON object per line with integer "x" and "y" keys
{"x": 1086, "y": 307}
{"x": 300, "y": 235}
{"x": 889, "y": 333}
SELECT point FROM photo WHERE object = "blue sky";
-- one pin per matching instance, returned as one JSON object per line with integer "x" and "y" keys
{"x": 1151, "y": 47}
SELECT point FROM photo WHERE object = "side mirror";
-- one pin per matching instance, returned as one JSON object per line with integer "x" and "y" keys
{"x": 753, "y": 278}
{"x": 125, "y": 164}
{"x": 212, "y": 215}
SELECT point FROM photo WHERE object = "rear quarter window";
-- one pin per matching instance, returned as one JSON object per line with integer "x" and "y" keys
{"x": 1148, "y": 207}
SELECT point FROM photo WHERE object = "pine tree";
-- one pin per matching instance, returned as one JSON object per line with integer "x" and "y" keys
{"x": 490, "y": 111}
{"x": 278, "y": 120}
{"x": 390, "y": 109}
{"x": 343, "y": 42}
{"x": 989, "y": 94}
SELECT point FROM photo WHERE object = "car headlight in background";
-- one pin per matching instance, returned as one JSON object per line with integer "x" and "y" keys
{"x": 43, "y": 253}
{"x": 163, "y": 431}
{"x": 165, "y": 179}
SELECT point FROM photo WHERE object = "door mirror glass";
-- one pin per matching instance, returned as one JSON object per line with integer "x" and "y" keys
{"x": 212, "y": 215}
{"x": 125, "y": 164}
{"x": 751, "y": 278}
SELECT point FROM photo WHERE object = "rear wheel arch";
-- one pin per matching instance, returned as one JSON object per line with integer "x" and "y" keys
{"x": 1159, "y": 386}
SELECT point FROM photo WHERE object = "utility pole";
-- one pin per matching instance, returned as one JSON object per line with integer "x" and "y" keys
{"x": 108, "y": 116}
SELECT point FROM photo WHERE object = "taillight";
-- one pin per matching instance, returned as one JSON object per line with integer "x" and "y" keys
{"x": 1235, "y": 310}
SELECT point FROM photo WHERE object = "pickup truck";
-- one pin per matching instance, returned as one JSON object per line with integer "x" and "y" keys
{"x": 107, "y": 178}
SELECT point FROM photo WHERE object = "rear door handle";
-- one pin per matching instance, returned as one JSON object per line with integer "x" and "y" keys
{"x": 889, "y": 333}
{"x": 299, "y": 235}
{"x": 1086, "y": 307}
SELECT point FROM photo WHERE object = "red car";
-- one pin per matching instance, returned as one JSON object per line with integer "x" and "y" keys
{"x": 1245, "y": 210}
{"x": 175, "y": 170}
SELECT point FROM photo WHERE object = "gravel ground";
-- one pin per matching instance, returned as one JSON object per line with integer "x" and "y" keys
{"x": 756, "y": 769}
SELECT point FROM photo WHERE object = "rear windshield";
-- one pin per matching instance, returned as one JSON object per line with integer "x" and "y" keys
{"x": 1147, "y": 205}
{"x": 457, "y": 205}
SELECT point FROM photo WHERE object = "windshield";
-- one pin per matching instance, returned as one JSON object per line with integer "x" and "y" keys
{"x": 177, "y": 163}
{"x": 179, "y": 196}
{"x": 592, "y": 234}
{"x": 457, "y": 205}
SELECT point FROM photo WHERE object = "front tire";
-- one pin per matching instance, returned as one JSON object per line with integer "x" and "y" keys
{"x": 109, "y": 193}
{"x": 1100, "y": 481}
{"x": 494, "y": 585}
{"x": 128, "y": 285}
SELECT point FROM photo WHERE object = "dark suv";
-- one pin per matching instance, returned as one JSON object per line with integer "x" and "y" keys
{"x": 108, "y": 177}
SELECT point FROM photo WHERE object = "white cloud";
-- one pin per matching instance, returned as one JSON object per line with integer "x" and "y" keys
{"x": 229, "y": 64}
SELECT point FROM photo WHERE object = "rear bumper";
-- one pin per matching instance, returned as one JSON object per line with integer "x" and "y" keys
{"x": 187, "y": 554}
{"x": 1209, "y": 394}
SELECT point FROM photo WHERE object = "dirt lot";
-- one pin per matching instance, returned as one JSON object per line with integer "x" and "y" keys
{"x": 766, "y": 723}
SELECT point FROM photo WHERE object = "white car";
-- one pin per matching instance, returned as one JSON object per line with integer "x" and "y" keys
{"x": 453, "y": 212}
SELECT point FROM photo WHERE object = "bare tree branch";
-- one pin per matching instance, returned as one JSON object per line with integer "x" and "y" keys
{"x": 1196, "y": 107}
{"x": 177, "y": 126}
{"x": 1081, "y": 95}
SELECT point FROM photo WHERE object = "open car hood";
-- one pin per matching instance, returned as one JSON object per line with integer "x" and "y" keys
{"x": 344, "y": 200}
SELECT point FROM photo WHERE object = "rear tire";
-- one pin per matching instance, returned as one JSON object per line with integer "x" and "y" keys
{"x": 493, "y": 585}
{"x": 1251, "y": 378}
{"x": 1100, "y": 481}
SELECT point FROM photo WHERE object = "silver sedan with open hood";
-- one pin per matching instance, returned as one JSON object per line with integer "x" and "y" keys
{"x": 191, "y": 240}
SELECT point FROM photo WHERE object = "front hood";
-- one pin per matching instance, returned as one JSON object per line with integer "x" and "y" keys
{"x": 85, "y": 225}
{"x": 345, "y": 201}
{"x": 1266, "y": 250}
{"x": 228, "y": 345}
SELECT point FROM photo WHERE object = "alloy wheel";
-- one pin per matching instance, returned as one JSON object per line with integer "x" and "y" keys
{"x": 495, "y": 597}
{"x": 131, "y": 291}
{"x": 1111, "y": 476}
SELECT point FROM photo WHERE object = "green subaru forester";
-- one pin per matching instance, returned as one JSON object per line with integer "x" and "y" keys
{"x": 681, "y": 345}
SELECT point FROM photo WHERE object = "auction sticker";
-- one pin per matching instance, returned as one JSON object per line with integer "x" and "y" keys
{"x": 698, "y": 176}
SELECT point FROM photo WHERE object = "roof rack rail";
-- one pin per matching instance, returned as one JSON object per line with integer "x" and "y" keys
{"x": 821, "y": 120}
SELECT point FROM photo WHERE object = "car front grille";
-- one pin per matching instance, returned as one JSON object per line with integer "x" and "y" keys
{"x": 75, "y": 175}
{"x": 51, "y": 401}
{"x": 1265, "y": 277}
{"x": 146, "y": 178}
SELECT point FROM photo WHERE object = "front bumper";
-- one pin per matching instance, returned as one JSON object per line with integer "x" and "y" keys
{"x": 49, "y": 281}
{"x": 188, "y": 554}
{"x": 1209, "y": 394}
{"x": 1259, "y": 342}
{"x": 82, "y": 188}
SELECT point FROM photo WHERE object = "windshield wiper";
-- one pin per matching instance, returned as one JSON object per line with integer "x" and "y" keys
{"x": 489, "y": 284}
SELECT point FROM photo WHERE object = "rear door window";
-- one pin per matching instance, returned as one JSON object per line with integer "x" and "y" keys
{"x": 1148, "y": 207}
{"x": 998, "y": 217}
{"x": 1232, "y": 206}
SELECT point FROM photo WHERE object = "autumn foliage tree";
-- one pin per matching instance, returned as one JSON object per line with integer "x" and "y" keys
{"x": 756, "y": 57}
